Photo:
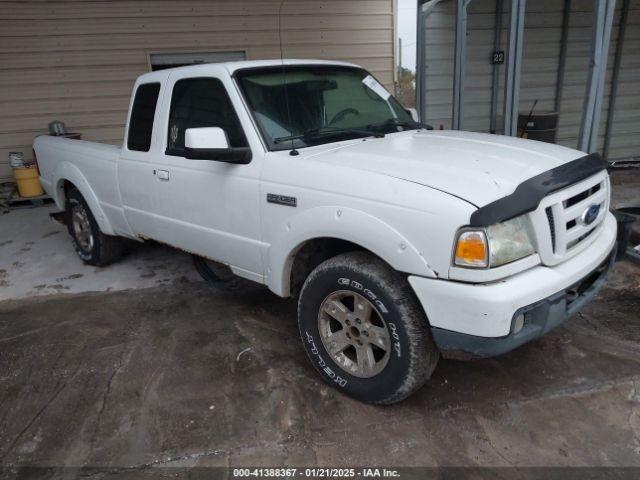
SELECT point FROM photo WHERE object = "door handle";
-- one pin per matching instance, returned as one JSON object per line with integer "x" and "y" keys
{"x": 162, "y": 175}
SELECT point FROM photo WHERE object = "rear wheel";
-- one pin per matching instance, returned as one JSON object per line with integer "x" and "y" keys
{"x": 364, "y": 330}
{"x": 91, "y": 245}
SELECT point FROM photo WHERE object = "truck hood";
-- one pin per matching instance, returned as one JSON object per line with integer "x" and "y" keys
{"x": 479, "y": 168}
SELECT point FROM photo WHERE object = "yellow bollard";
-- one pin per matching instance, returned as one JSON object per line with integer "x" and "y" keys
{"x": 28, "y": 181}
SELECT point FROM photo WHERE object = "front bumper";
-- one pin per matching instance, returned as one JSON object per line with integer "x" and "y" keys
{"x": 539, "y": 318}
{"x": 478, "y": 319}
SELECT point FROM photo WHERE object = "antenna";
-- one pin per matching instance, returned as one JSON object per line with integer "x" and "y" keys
{"x": 284, "y": 76}
{"x": 526, "y": 123}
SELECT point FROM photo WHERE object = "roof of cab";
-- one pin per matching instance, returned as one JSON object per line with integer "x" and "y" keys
{"x": 231, "y": 67}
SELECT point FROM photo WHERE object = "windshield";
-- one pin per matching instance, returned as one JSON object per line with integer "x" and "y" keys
{"x": 300, "y": 106}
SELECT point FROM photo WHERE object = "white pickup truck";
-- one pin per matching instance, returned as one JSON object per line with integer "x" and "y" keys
{"x": 402, "y": 243}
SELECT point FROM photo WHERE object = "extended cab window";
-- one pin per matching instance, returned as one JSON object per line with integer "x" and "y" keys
{"x": 201, "y": 102}
{"x": 142, "y": 113}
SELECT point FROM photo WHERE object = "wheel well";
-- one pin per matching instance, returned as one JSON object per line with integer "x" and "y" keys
{"x": 68, "y": 186}
{"x": 64, "y": 187}
{"x": 311, "y": 254}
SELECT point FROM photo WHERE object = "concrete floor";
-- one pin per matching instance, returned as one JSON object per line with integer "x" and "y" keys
{"x": 183, "y": 375}
{"x": 175, "y": 374}
{"x": 36, "y": 258}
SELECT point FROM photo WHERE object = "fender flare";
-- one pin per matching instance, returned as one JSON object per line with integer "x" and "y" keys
{"x": 342, "y": 223}
{"x": 66, "y": 171}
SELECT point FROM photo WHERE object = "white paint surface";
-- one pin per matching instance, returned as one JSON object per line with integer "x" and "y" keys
{"x": 37, "y": 258}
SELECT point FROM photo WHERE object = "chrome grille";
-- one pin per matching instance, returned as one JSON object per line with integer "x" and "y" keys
{"x": 559, "y": 228}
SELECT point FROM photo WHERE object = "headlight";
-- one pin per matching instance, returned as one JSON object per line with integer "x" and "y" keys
{"x": 495, "y": 245}
{"x": 510, "y": 241}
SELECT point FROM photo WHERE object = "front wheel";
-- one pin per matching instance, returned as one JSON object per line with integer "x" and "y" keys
{"x": 363, "y": 329}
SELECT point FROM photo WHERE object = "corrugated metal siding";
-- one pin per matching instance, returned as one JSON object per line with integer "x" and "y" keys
{"x": 625, "y": 138}
{"x": 541, "y": 52}
{"x": 76, "y": 61}
{"x": 439, "y": 40}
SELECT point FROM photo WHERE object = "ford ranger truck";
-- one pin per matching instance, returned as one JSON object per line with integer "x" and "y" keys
{"x": 401, "y": 243}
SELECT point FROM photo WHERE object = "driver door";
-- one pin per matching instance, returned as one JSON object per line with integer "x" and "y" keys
{"x": 208, "y": 207}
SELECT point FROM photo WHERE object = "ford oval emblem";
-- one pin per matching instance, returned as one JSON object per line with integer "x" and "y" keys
{"x": 590, "y": 214}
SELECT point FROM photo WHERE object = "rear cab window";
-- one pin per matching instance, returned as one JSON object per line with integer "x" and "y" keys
{"x": 142, "y": 114}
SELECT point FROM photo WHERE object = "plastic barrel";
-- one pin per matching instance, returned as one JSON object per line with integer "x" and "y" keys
{"x": 28, "y": 181}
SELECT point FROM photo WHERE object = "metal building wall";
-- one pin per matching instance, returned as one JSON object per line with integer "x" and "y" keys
{"x": 76, "y": 61}
{"x": 625, "y": 138}
{"x": 439, "y": 41}
{"x": 541, "y": 52}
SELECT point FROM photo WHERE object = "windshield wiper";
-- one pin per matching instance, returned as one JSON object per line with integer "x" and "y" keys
{"x": 394, "y": 122}
{"x": 327, "y": 131}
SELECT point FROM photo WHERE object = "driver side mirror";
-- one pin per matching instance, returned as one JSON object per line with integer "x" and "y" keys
{"x": 414, "y": 114}
{"x": 211, "y": 143}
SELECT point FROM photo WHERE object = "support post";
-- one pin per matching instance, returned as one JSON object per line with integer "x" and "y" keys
{"x": 562, "y": 58}
{"x": 603, "y": 11}
{"x": 514, "y": 62}
{"x": 460, "y": 60}
{"x": 613, "y": 93}
{"x": 420, "y": 63}
{"x": 495, "y": 80}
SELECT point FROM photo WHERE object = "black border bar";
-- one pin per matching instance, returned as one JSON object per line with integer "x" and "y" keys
{"x": 155, "y": 472}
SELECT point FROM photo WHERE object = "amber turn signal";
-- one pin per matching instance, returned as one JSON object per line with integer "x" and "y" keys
{"x": 471, "y": 249}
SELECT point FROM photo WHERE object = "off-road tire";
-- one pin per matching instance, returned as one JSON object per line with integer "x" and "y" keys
{"x": 105, "y": 249}
{"x": 413, "y": 355}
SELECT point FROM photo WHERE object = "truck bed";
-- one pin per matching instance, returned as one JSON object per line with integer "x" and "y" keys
{"x": 89, "y": 162}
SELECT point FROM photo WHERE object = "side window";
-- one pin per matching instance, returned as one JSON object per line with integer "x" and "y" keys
{"x": 201, "y": 102}
{"x": 141, "y": 122}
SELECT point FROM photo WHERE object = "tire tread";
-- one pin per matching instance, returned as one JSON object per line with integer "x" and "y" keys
{"x": 424, "y": 353}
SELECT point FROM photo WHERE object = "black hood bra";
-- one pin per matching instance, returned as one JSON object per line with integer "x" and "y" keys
{"x": 527, "y": 196}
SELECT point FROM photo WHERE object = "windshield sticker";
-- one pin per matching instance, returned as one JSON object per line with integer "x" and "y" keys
{"x": 373, "y": 84}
